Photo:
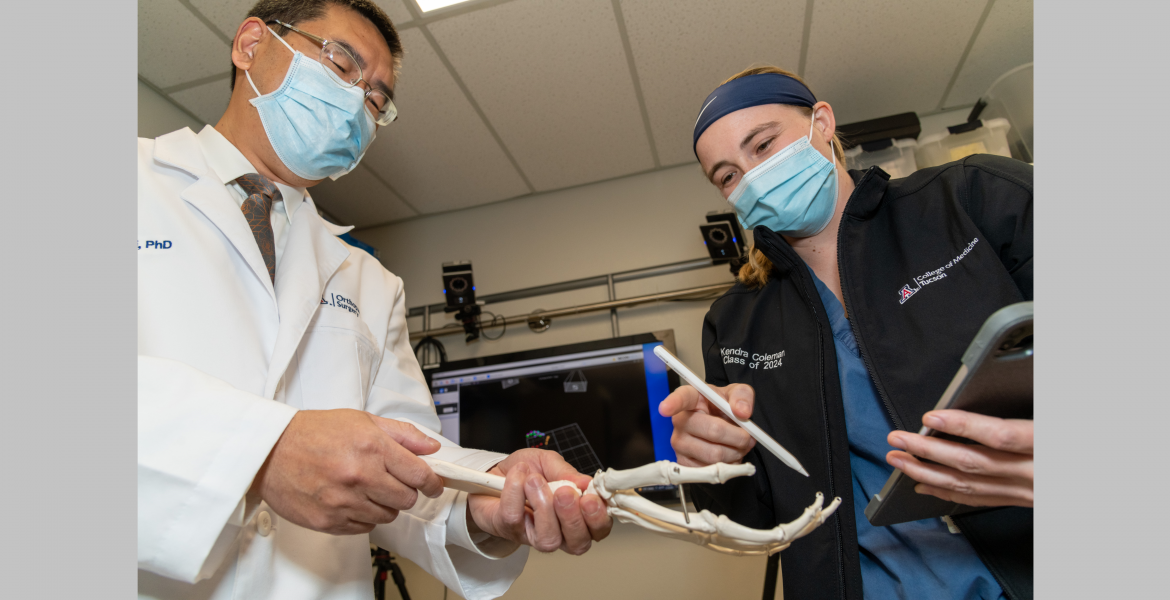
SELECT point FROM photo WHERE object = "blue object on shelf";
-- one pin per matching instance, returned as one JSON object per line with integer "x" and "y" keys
{"x": 356, "y": 243}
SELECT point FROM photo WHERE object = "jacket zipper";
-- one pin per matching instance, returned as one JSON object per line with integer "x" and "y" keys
{"x": 861, "y": 344}
{"x": 882, "y": 392}
{"x": 828, "y": 437}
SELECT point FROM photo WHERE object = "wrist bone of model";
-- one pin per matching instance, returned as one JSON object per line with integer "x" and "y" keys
{"x": 617, "y": 489}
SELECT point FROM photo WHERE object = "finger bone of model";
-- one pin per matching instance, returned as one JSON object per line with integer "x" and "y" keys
{"x": 617, "y": 489}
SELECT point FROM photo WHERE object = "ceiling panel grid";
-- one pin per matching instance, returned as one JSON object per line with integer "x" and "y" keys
{"x": 439, "y": 154}
{"x": 500, "y": 98}
{"x": 227, "y": 15}
{"x": 396, "y": 10}
{"x": 553, "y": 79}
{"x": 360, "y": 199}
{"x": 873, "y": 59}
{"x": 1004, "y": 43}
{"x": 684, "y": 48}
{"x": 175, "y": 47}
{"x": 208, "y": 101}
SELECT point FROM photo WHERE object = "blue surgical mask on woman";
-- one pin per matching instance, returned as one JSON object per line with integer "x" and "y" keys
{"x": 317, "y": 128}
{"x": 793, "y": 192}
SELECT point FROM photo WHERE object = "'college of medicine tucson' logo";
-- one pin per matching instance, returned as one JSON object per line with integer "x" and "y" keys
{"x": 906, "y": 292}
{"x": 930, "y": 277}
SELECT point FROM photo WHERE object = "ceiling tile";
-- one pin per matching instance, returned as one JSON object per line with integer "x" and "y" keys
{"x": 359, "y": 199}
{"x": 439, "y": 154}
{"x": 553, "y": 79}
{"x": 226, "y": 15}
{"x": 874, "y": 59}
{"x": 175, "y": 47}
{"x": 207, "y": 101}
{"x": 676, "y": 73}
{"x": 396, "y": 10}
{"x": 1004, "y": 43}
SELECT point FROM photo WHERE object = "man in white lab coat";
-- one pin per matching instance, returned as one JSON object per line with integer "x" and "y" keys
{"x": 280, "y": 407}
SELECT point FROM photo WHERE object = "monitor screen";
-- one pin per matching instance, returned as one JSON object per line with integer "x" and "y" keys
{"x": 595, "y": 403}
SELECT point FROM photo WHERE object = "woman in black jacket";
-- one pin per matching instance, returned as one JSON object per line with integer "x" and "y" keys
{"x": 851, "y": 317}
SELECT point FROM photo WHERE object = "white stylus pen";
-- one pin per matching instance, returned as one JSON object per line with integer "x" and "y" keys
{"x": 772, "y": 445}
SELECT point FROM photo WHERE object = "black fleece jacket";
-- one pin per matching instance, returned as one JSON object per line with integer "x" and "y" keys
{"x": 924, "y": 261}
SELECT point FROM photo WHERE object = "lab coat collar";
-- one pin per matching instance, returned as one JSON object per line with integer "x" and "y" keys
{"x": 181, "y": 149}
{"x": 229, "y": 163}
{"x": 335, "y": 229}
{"x": 311, "y": 257}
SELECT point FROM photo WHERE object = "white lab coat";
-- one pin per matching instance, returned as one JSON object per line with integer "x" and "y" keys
{"x": 224, "y": 361}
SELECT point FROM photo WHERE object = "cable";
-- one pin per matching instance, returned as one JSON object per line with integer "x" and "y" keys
{"x": 430, "y": 341}
{"x": 494, "y": 317}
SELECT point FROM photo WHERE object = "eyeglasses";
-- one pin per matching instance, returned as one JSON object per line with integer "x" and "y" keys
{"x": 343, "y": 67}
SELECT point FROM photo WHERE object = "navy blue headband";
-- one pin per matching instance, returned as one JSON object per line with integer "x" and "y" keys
{"x": 746, "y": 92}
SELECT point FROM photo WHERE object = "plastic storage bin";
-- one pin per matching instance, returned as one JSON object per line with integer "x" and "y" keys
{"x": 1010, "y": 97}
{"x": 942, "y": 148}
{"x": 897, "y": 160}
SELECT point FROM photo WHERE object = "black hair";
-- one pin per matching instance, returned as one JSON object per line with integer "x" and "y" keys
{"x": 298, "y": 11}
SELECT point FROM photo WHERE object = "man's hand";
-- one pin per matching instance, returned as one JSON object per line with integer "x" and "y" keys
{"x": 343, "y": 471}
{"x": 703, "y": 435}
{"x": 996, "y": 473}
{"x": 563, "y": 520}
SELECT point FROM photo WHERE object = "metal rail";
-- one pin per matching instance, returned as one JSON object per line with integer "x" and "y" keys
{"x": 585, "y": 308}
{"x": 576, "y": 284}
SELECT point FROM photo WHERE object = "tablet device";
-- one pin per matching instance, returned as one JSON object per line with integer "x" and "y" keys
{"x": 995, "y": 379}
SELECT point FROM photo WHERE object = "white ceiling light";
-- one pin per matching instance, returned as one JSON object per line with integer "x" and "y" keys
{"x": 429, "y": 5}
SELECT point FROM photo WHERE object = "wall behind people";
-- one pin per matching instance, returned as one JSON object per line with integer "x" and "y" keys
{"x": 618, "y": 225}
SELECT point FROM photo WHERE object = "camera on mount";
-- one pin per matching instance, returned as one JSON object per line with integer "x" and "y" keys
{"x": 724, "y": 239}
{"x": 458, "y": 284}
{"x": 459, "y": 288}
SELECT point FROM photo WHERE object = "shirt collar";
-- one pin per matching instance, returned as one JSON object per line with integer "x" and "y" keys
{"x": 229, "y": 163}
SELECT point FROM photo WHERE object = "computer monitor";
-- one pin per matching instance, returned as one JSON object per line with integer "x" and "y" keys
{"x": 596, "y": 403}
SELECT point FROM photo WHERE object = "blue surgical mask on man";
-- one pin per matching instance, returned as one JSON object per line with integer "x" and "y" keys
{"x": 317, "y": 128}
{"x": 793, "y": 192}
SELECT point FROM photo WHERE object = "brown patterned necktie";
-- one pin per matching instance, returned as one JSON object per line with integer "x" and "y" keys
{"x": 258, "y": 210}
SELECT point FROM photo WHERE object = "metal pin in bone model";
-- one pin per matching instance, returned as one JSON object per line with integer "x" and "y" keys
{"x": 616, "y": 489}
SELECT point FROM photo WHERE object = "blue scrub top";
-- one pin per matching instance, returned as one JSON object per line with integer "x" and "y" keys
{"x": 920, "y": 559}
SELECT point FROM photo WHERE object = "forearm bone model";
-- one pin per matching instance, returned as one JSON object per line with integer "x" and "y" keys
{"x": 705, "y": 528}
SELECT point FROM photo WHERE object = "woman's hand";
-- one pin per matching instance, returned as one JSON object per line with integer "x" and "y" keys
{"x": 702, "y": 434}
{"x": 996, "y": 473}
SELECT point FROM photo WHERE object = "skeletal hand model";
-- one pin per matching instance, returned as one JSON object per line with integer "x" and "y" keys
{"x": 616, "y": 488}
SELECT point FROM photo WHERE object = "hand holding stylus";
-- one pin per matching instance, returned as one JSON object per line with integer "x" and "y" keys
{"x": 716, "y": 434}
{"x": 703, "y": 435}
